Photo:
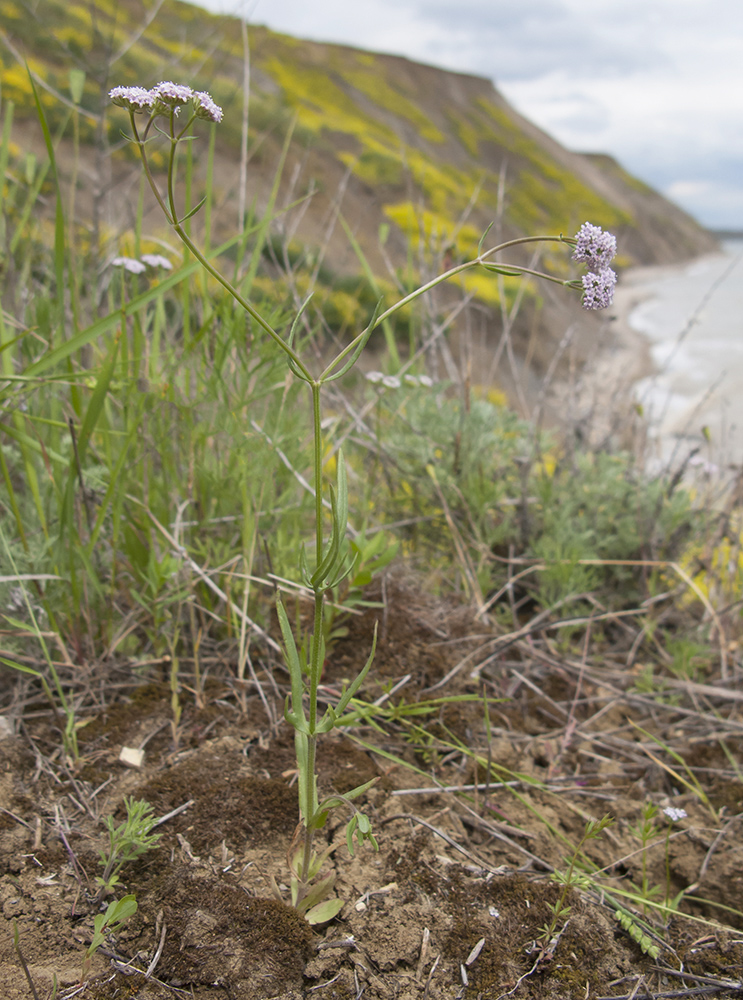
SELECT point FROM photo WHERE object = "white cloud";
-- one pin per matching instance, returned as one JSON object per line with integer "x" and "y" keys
{"x": 719, "y": 202}
{"x": 657, "y": 83}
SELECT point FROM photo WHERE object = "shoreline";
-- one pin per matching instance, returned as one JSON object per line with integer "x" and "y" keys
{"x": 600, "y": 401}
{"x": 663, "y": 376}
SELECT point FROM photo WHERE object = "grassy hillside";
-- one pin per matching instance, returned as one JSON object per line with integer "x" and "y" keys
{"x": 417, "y": 151}
{"x": 377, "y": 165}
{"x": 233, "y": 585}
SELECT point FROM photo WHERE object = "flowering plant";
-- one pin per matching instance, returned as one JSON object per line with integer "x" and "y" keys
{"x": 596, "y": 249}
{"x": 330, "y": 562}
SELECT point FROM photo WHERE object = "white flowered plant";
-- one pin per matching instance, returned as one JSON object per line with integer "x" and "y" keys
{"x": 596, "y": 249}
{"x": 139, "y": 265}
{"x": 675, "y": 815}
{"x": 158, "y": 110}
{"x": 156, "y": 260}
{"x": 165, "y": 98}
{"x": 130, "y": 264}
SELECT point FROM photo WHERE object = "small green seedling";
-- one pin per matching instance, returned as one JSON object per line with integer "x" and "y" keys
{"x": 126, "y": 842}
{"x": 117, "y": 913}
{"x": 571, "y": 879}
{"x": 646, "y": 830}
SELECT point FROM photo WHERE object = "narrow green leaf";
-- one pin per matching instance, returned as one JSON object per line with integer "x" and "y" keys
{"x": 97, "y": 400}
{"x": 59, "y": 223}
{"x": 193, "y": 211}
{"x": 348, "y": 694}
{"x": 356, "y": 353}
{"x": 389, "y": 335}
{"x": 319, "y": 891}
{"x": 323, "y": 912}
{"x": 292, "y": 657}
{"x": 483, "y": 238}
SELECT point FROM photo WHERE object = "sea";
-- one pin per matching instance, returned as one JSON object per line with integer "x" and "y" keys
{"x": 692, "y": 318}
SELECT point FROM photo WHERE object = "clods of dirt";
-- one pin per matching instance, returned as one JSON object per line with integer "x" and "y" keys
{"x": 487, "y": 772}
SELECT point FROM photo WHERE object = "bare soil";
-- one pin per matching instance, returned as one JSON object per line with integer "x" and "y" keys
{"x": 454, "y": 902}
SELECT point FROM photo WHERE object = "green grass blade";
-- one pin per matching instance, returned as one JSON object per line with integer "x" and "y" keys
{"x": 389, "y": 335}
{"x": 109, "y": 322}
{"x": 59, "y": 223}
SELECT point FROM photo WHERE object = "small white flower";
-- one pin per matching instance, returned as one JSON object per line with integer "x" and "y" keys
{"x": 157, "y": 260}
{"x": 411, "y": 379}
{"x": 374, "y": 377}
{"x": 129, "y": 264}
{"x": 425, "y": 380}
{"x": 391, "y": 382}
{"x": 675, "y": 814}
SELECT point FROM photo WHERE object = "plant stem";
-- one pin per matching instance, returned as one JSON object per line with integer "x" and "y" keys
{"x": 316, "y": 644}
{"x": 171, "y": 216}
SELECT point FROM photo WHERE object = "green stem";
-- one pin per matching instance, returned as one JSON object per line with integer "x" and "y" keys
{"x": 668, "y": 867}
{"x": 317, "y": 443}
{"x": 316, "y": 644}
{"x": 171, "y": 216}
{"x": 480, "y": 259}
{"x": 311, "y": 797}
{"x": 459, "y": 269}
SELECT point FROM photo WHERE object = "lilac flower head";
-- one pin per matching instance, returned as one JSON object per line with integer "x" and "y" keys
{"x": 675, "y": 814}
{"x": 595, "y": 247}
{"x": 129, "y": 264}
{"x": 132, "y": 98}
{"x": 172, "y": 95}
{"x": 204, "y": 107}
{"x": 598, "y": 289}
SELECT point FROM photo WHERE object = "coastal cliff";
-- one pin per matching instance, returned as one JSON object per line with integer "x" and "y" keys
{"x": 377, "y": 163}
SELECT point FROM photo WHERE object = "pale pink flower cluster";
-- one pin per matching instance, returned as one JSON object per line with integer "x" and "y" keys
{"x": 596, "y": 249}
{"x": 132, "y": 98}
{"x": 164, "y": 97}
{"x": 598, "y": 288}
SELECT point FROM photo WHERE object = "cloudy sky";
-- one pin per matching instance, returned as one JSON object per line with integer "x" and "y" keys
{"x": 657, "y": 83}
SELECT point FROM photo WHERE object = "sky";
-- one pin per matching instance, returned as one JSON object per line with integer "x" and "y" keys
{"x": 656, "y": 83}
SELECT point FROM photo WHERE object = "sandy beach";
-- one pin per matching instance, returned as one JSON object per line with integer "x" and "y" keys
{"x": 692, "y": 320}
{"x": 599, "y": 403}
{"x": 671, "y": 362}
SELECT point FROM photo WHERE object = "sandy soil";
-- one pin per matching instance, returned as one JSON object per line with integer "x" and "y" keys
{"x": 597, "y": 400}
{"x": 455, "y": 902}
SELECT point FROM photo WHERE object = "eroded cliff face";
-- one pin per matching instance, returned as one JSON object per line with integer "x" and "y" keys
{"x": 445, "y": 153}
{"x": 373, "y": 162}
